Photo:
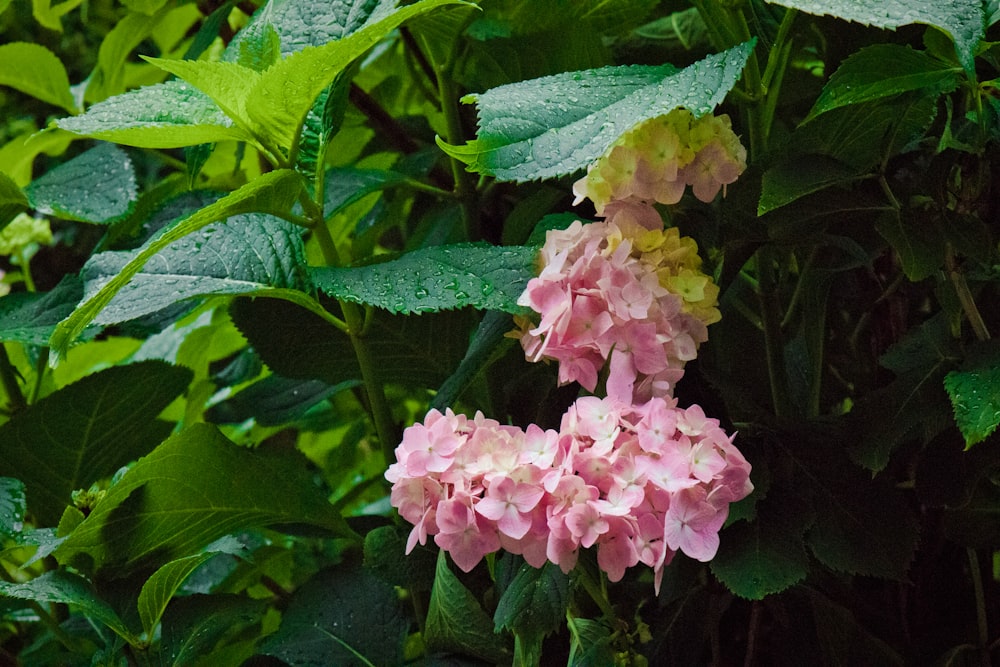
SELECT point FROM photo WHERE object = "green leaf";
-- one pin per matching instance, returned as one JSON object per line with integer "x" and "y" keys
{"x": 166, "y": 115}
{"x": 68, "y": 588}
{"x": 160, "y": 587}
{"x": 534, "y": 603}
{"x": 974, "y": 390}
{"x": 488, "y": 343}
{"x": 191, "y": 490}
{"x": 286, "y": 90}
{"x": 12, "y": 199}
{"x": 961, "y": 19}
{"x": 273, "y": 192}
{"x": 844, "y": 638}
{"x": 346, "y": 185}
{"x": 50, "y": 15}
{"x": 884, "y": 70}
{"x": 590, "y": 644}
{"x": 386, "y": 557}
{"x": 798, "y": 177}
{"x": 86, "y": 431}
{"x": 436, "y": 278}
{"x": 342, "y": 616}
{"x": 18, "y": 155}
{"x": 108, "y": 78}
{"x": 193, "y": 625}
{"x": 275, "y": 400}
{"x": 96, "y": 186}
{"x": 13, "y": 505}
{"x": 245, "y": 254}
{"x": 457, "y": 623}
{"x": 30, "y": 317}
{"x": 33, "y": 69}
{"x": 918, "y": 240}
{"x": 556, "y": 125}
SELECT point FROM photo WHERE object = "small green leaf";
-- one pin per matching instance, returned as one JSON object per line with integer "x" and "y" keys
{"x": 962, "y": 20}
{"x": 342, "y": 616}
{"x": 18, "y": 155}
{"x": 883, "y": 70}
{"x": 50, "y": 15}
{"x": 346, "y": 185}
{"x": 166, "y": 115}
{"x": 160, "y": 588}
{"x": 184, "y": 495}
{"x": 96, "y": 186}
{"x": 87, "y": 430}
{"x": 12, "y": 199}
{"x": 108, "y": 78}
{"x": 13, "y": 505}
{"x": 68, "y": 588}
{"x": 286, "y": 90}
{"x": 33, "y": 69}
{"x": 534, "y": 603}
{"x": 556, "y": 125}
{"x": 30, "y": 317}
{"x": 974, "y": 390}
{"x": 272, "y": 192}
{"x": 457, "y": 623}
{"x": 436, "y": 278}
{"x": 801, "y": 176}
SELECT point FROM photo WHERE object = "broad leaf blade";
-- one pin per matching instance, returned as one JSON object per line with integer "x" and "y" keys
{"x": 86, "y": 431}
{"x": 273, "y": 192}
{"x": 167, "y": 115}
{"x": 227, "y": 84}
{"x": 33, "y": 69}
{"x": 437, "y": 278}
{"x": 192, "y": 625}
{"x": 191, "y": 490}
{"x": 13, "y": 505}
{"x": 559, "y": 124}
{"x": 12, "y": 199}
{"x": 961, "y": 19}
{"x": 31, "y": 317}
{"x": 974, "y": 390}
{"x": 248, "y": 253}
{"x": 97, "y": 186}
{"x": 534, "y": 603}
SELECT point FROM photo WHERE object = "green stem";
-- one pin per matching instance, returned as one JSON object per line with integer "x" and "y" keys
{"x": 965, "y": 296}
{"x": 596, "y": 592}
{"x": 770, "y": 315}
{"x": 8, "y": 376}
{"x": 464, "y": 188}
{"x": 981, "y": 620}
{"x": 41, "y": 368}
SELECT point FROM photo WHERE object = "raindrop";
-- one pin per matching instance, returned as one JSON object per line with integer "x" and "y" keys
{"x": 461, "y": 295}
{"x": 421, "y": 293}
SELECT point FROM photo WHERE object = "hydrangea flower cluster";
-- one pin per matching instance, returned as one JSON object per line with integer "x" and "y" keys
{"x": 657, "y": 159}
{"x": 639, "y": 482}
{"x": 619, "y": 289}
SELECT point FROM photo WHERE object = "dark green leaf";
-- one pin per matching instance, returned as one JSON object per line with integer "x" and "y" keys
{"x": 13, "y": 505}
{"x": 591, "y": 643}
{"x": 801, "y": 176}
{"x": 86, "y": 431}
{"x": 917, "y": 239}
{"x": 33, "y": 69}
{"x": 844, "y": 639}
{"x": 192, "y": 626}
{"x": 883, "y": 70}
{"x": 96, "y": 186}
{"x": 457, "y": 623}
{"x": 385, "y": 556}
{"x": 30, "y": 317}
{"x": 974, "y": 390}
{"x": 534, "y": 603}
{"x": 67, "y": 588}
{"x": 186, "y": 494}
{"x": 167, "y": 115}
{"x": 275, "y": 400}
{"x": 437, "y": 278}
{"x": 346, "y": 185}
{"x": 556, "y": 125}
{"x": 961, "y": 19}
{"x": 12, "y": 199}
{"x": 343, "y": 616}
{"x": 488, "y": 343}
{"x": 272, "y": 192}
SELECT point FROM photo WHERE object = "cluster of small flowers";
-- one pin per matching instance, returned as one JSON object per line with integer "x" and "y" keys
{"x": 640, "y": 482}
{"x": 622, "y": 290}
{"x": 657, "y": 159}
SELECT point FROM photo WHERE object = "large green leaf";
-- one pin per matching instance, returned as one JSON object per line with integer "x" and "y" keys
{"x": 343, "y": 616}
{"x": 193, "y": 625}
{"x": 273, "y": 192}
{"x": 191, "y": 490}
{"x": 96, "y": 186}
{"x": 31, "y": 317}
{"x": 286, "y": 90}
{"x": 436, "y": 278}
{"x": 68, "y": 588}
{"x": 457, "y": 623}
{"x": 534, "y": 603}
{"x": 974, "y": 390}
{"x": 275, "y": 400}
{"x": 346, "y": 185}
{"x": 108, "y": 77}
{"x": 883, "y": 70}
{"x": 245, "y": 254}
{"x": 488, "y": 343}
{"x": 559, "y": 124}
{"x": 13, "y": 505}
{"x": 166, "y": 115}
{"x": 12, "y": 199}
{"x": 50, "y": 15}
{"x": 33, "y": 69}
{"x": 86, "y": 431}
{"x": 962, "y": 19}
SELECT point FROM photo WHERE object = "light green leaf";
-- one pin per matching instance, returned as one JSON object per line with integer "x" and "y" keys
{"x": 162, "y": 585}
{"x": 50, "y": 15}
{"x": 33, "y": 69}
{"x": 272, "y": 192}
{"x": 883, "y": 70}
{"x": 188, "y": 492}
{"x": 144, "y": 6}
{"x": 18, "y": 155}
{"x": 974, "y": 390}
{"x": 108, "y": 78}
{"x": 167, "y": 115}
{"x": 962, "y": 19}
{"x": 559, "y": 124}
{"x": 30, "y": 317}
{"x": 13, "y": 505}
{"x": 68, "y": 588}
{"x": 245, "y": 254}
{"x": 457, "y": 623}
{"x": 96, "y": 186}
{"x": 437, "y": 278}
{"x": 286, "y": 91}
{"x": 87, "y": 430}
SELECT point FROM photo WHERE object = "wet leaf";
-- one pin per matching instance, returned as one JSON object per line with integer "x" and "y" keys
{"x": 33, "y": 69}
{"x": 974, "y": 390}
{"x": 97, "y": 186}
